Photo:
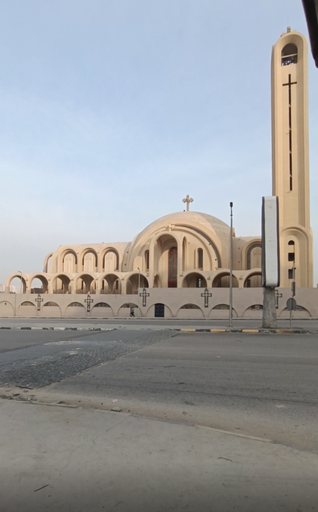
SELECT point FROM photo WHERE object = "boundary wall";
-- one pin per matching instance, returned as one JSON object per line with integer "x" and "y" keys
{"x": 178, "y": 303}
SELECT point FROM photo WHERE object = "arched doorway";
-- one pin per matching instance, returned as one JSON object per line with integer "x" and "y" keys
{"x": 194, "y": 280}
{"x": 222, "y": 280}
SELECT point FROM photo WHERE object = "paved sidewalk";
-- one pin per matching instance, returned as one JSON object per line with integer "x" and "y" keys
{"x": 56, "y": 458}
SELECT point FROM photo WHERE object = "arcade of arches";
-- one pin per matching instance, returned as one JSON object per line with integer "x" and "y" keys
{"x": 181, "y": 250}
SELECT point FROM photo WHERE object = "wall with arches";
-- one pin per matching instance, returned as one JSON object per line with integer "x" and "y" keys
{"x": 179, "y": 303}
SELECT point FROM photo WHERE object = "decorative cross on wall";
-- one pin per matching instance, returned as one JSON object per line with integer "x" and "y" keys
{"x": 144, "y": 296}
{"x": 38, "y": 301}
{"x": 88, "y": 301}
{"x": 206, "y": 294}
{"x": 187, "y": 200}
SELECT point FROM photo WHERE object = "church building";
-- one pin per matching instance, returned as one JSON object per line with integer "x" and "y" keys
{"x": 189, "y": 249}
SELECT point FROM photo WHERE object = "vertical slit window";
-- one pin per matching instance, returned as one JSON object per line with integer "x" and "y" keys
{"x": 200, "y": 258}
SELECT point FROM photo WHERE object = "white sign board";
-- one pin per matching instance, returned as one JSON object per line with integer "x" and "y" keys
{"x": 270, "y": 242}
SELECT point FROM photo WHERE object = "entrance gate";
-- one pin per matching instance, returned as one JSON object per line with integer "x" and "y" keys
{"x": 159, "y": 310}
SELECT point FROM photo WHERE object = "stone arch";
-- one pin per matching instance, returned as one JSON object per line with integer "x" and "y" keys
{"x": 110, "y": 284}
{"x": 150, "y": 313}
{"x": 222, "y": 311}
{"x": 211, "y": 243}
{"x": 289, "y": 54}
{"x": 85, "y": 283}
{"x": 302, "y": 261}
{"x": 70, "y": 265}
{"x": 111, "y": 265}
{"x": 102, "y": 309}
{"x": 132, "y": 282}
{"x": 21, "y": 278}
{"x": 6, "y": 309}
{"x": 301, "y": 312}
{"x": 253, "y": 279}
{"x": 75, "y": 309}
{"x": 163, "y": 243}
{"x": 125, "y": 308}
{"x": 86, "y": 263}
{"x": 222, "y": 280}
{"x": 194, "y": 280}
{"x": 44, "y": 281}
{"x": 253, "y": 311}
{"x": 190, "y": 310}
{"x": 253, "y": 260}
{"x": 47, "y": 262}
{"x": 61, "y": 284}
{"x": 27, "y": 309}
{"x": 51, "y": 309}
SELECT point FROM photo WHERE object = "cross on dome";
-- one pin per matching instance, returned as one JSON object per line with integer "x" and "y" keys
{"x": 187, "y": 200}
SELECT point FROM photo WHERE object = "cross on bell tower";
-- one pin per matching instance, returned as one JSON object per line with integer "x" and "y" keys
{"x": 187, "y": 200}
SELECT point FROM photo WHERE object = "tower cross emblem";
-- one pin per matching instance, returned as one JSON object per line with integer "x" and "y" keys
{"x": 187, "y": 200}
{"x": 206, "y": 294}
{"x": 38, "y": 301}
{"x": 88, "y": 302}
{"x": 144, "y": 296}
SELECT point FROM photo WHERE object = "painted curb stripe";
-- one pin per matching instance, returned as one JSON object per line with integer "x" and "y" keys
{"x": 251, "y": 331}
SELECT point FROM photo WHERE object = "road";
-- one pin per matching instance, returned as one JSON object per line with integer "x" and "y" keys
{"x": 256, "y": 385}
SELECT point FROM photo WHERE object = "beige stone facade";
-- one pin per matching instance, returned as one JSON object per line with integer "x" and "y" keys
{"x": 290, "y": 154}
{"x": 181, "y": 250}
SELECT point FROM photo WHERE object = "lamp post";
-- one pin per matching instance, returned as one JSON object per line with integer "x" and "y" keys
{"x": 138, "y": 287}
{"x": 231, "y": 263}
{"x": 21, "y": 292}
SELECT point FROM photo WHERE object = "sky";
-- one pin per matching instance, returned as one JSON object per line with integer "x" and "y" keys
{"x": 112, "y": 111}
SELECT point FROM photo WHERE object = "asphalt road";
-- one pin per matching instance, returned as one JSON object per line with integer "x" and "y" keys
{"x": 257, "y": 385}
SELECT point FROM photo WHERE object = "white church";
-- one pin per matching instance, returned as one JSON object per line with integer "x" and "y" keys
{"x": 179, "y": 265}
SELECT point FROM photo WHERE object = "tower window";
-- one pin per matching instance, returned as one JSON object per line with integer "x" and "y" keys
{"x": 290, "y": 273}
{"x": 289, "y": 54}
{"x": 291, "y": 256}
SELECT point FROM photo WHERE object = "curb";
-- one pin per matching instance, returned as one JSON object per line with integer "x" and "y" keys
{"x": 248, "y": 331}
{"x": 213, "y": 331}
{"x": 97, "y": 329}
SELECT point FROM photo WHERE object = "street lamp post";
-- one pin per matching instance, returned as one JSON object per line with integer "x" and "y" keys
{"x": 138, "y": 287}
{"x": 231, "y": 263}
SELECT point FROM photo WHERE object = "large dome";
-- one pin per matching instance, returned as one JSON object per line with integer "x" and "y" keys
{"x": 188, "y": 218}
{"x": 211, "y": 227}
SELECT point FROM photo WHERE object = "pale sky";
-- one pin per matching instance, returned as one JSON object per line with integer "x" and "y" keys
{"x": 112, "y": 111}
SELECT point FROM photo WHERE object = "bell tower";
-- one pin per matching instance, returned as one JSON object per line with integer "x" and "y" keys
{"x": 290, "y": 158}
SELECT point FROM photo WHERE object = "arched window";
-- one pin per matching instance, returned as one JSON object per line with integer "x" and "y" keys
{"x": 200, "y": 258}
{"x": 289, "y": 54}
{"x": 172, "y": 267}
{"x": 147, "y": 260}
